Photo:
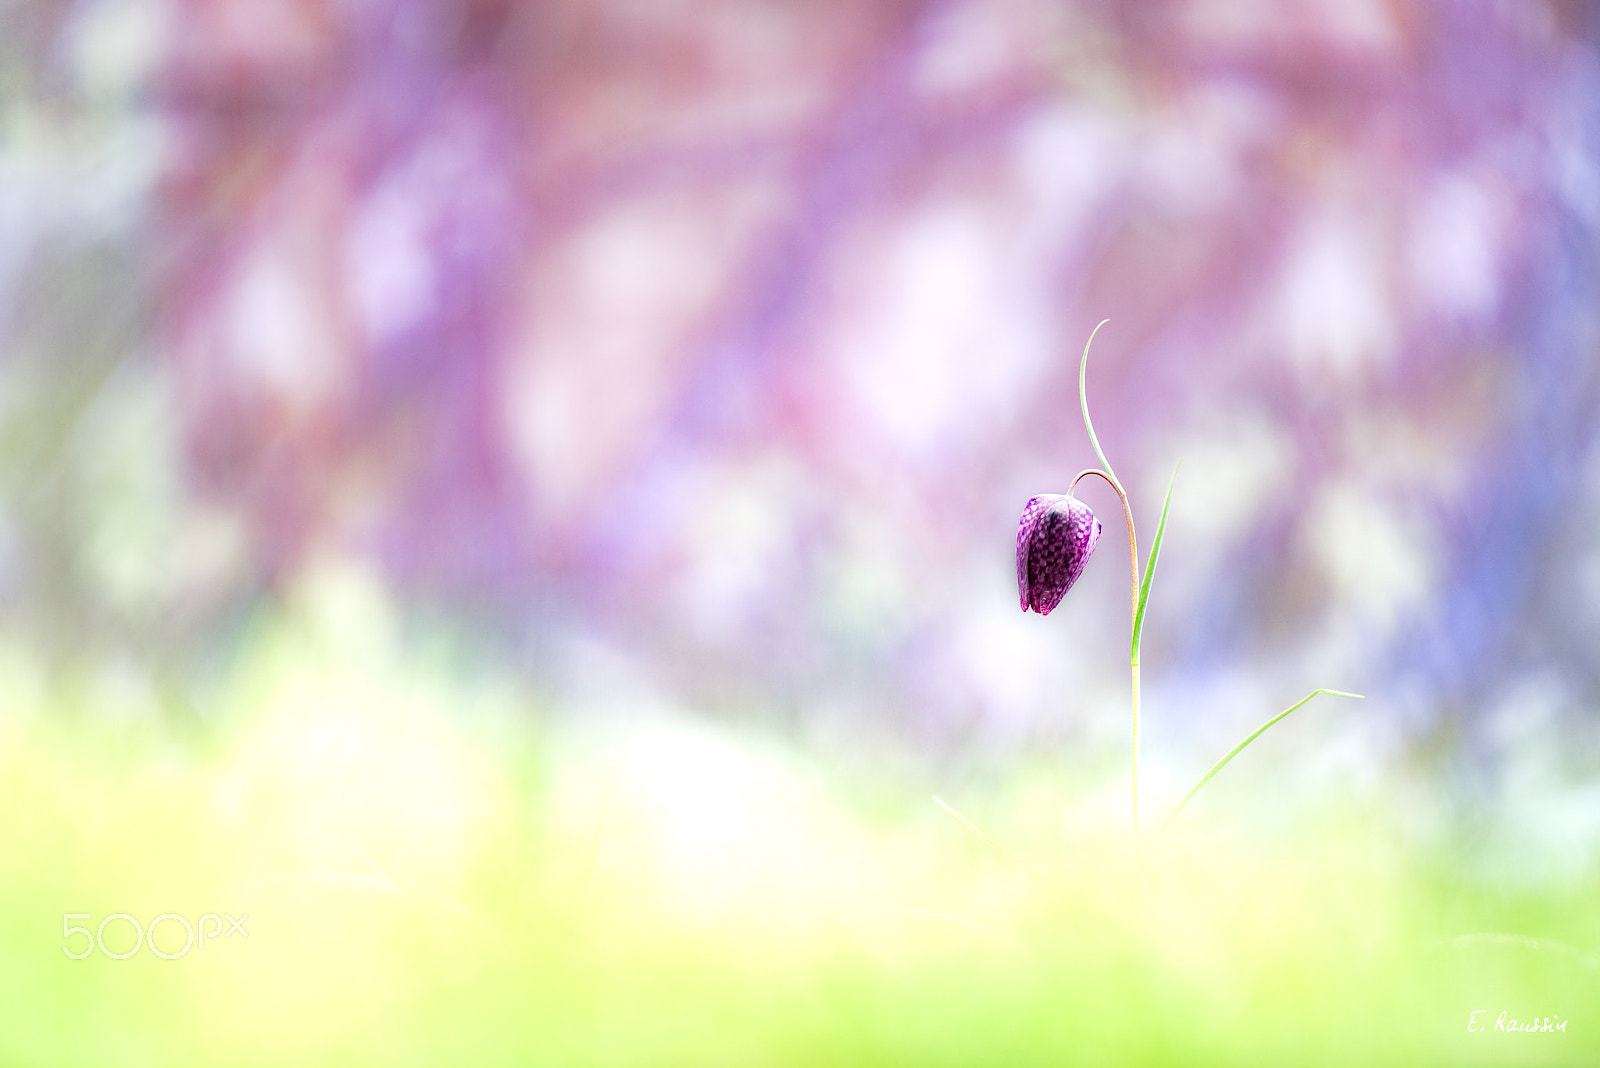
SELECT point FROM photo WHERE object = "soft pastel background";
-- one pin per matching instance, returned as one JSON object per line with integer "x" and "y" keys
{"x": 520, "y": 498}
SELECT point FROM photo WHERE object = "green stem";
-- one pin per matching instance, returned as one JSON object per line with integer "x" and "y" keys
{"x": 1111, "y": 479}
{"x": 1138, "y": 835}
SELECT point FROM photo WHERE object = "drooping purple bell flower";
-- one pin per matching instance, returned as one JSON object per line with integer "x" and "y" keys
{"x": 1054, "y": 539}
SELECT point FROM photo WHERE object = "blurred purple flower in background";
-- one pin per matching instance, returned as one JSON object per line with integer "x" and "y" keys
{"x": 1054, "y": 539}
{"x": 436, "y": 284}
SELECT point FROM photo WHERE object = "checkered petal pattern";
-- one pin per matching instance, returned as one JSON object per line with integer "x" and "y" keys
{"x": 1054, "y": 539}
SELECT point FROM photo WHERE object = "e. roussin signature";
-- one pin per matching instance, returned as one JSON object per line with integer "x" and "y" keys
{"x": 1506, "y": 1022}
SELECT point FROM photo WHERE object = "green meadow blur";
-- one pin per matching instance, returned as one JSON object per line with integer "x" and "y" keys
{"x": 435, "y": 871}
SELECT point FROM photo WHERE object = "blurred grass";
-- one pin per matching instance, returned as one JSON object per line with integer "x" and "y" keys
{"x": 412, "y": 847}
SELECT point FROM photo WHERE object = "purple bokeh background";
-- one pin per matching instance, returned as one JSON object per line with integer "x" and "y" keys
{"x": 718, "y": 344}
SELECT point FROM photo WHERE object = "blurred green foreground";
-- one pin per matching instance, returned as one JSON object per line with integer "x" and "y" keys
{"x": 436, "y": 872}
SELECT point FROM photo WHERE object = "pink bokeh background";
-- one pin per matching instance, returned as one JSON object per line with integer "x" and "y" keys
{"x": 717, "y": 345}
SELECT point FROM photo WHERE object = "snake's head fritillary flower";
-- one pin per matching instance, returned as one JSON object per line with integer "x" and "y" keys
{"x": 1054, "y": 540}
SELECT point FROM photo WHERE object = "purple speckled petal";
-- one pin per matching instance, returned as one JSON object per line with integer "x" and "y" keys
{"x": 1030, "y": 519}
{"x": 1054, "y": 539}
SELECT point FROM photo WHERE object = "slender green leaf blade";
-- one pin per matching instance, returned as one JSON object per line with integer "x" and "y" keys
{"x": 1150, "y": 567}
{"x": 991, "y": 843}
{"x": 1236, "y": 750}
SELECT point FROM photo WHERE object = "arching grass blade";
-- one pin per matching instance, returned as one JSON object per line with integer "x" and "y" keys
{"x": 1236, "y": 750}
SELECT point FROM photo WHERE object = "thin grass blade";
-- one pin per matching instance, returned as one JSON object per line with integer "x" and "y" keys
{"x": 1236, "y": 750}
{"x": 991, "y": 843}
{"x": 1150, "y": 568}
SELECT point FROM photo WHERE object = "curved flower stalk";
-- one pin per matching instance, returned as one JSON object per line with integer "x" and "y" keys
{"x": 1057, "y": 533}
